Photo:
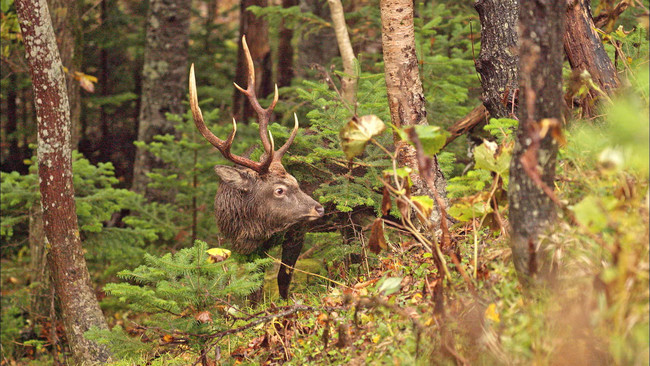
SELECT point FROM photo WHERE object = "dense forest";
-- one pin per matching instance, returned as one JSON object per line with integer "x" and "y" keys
{"x": 330, "y": 182}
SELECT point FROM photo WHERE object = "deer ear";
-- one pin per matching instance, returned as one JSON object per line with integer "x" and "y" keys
{"x": 238, "y": 178}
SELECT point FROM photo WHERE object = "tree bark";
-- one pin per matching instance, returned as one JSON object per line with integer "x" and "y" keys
{"x": 404, "y": 88}
{"x": 79, "y": 305}
{"x": 532, "y": 169}
{"x": 498, "y": 59}
{"x": 38, "y": 272}
{"x": 348, "y": 82}
{"x": 256, "y": 30}
{"x": 477, "y": 116}
{"x": 585, "y": 51}
{"x": 285, "y": 70}
{"x": 319, "y": 47}
{"x": 67, "y": 28}
{"x": 12, "y": 159}
{"x": 164, "y": 81}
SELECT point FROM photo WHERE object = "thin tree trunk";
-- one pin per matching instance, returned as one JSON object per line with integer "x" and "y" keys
{"x": 285, "y": 71}
{"x": 39, "y": 274}
{"x": 79, "y": 306}
{"x": 257, "y": 36}
{"x": 585, "y": 51}
{"x": 318, "y": 47}
{"x": 13, "y": 160}
{"x": 164, "y": 81}
{"x": 67, "y": 28}
{"x": 348, "y": 82}
{"x": 104, "y": 81}
{"x": 498, "y": 60}
{"x": 532, "y": 169}
{"x": 404, "y": 88}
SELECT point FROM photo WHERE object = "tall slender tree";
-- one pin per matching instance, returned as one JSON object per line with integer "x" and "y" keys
{"x": 256, "y": 30}
{"x": 79, "y": 306}
{"x": 404, "y": 87}
{"x": 532, "y": 169}
{"x": 67, "y": 28}
{"x": 164, "y": 80}
{"x": 285, "y": 71}
{"x": 317, "y": 47}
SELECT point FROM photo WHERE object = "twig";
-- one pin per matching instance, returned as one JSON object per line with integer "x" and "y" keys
{"x": 276, "y": 260}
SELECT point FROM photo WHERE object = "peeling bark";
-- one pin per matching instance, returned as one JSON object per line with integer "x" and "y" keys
{"x": 79, "y": 306}
{"x": 532, "y": 212}
{"x": 585, "y": 51}
{"x": 164, "y": 82}
{"x": 404, "y": 88}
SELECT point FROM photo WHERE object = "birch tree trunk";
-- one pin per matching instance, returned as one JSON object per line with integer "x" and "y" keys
{"x": 79, "y": 306}
{"x": 348, "y": 82}
{"x": 532, "y": 169}
{"x": 404, "y": 87}
{"x": 164, "y": 81}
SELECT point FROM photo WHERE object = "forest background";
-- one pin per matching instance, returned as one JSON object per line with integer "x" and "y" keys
{"x": 369, "y": 286}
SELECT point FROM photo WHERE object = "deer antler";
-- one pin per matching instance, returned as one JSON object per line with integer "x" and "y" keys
{"x": 263, "y": 116}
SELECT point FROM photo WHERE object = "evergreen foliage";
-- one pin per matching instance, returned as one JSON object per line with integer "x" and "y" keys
{"x": 184, "y": 295}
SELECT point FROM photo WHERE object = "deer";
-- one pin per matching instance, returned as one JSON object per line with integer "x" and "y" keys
{"x": 257, "y": 199}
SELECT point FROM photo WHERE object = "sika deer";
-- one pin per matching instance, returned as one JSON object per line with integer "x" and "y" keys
{"x": 255, "y": 199}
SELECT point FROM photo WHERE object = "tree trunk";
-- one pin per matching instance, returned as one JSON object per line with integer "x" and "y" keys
{"x": 164, "y": 82}
{"x": 404, "y": 88}
{"x": 105, "y": 84}
{"x": 256, "y": 30}
{"x": 285, "y": 71}
{"x": 13, "y": 157}
{"x": 67, "y": 28}
{"x": 318, "y": 47}
{"x": 79, "y": 305}
{"x": 585, "y": 51}
{"x": 532, "y": 169}
{"x": 38, "y": 273}
{"x": 348, "y": 82}
{"x": 498, "y": 59}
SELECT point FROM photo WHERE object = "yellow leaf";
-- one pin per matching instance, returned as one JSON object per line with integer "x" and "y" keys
{"x": 376, "y": 338}
{"x": 218, "y": 255}
{"x": 491, "y": 313}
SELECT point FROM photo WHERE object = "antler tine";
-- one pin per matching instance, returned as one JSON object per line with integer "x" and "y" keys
{"x": 263, "y": 114}
{"x": 222, "y": 146}
{"x": 278, "y": 154}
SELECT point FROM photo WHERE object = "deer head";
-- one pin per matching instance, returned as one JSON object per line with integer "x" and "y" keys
{"x": 255, "y": 199}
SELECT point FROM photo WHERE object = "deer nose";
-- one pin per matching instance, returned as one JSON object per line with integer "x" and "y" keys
{"x": 320, "y": 210}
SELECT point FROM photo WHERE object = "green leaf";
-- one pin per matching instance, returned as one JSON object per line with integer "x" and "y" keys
{"x": 486, "y": 158}
{"x": 424, "y": 203}
{"x": 356, "y": 134}
{"x": 433, "y": 138}
{"x": 390, "y": 285}
{"x": 5, "y": 4}
{"x": 590, "y": 212}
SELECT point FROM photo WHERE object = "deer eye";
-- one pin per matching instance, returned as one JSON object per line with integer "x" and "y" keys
{"x": 279, "y": 191}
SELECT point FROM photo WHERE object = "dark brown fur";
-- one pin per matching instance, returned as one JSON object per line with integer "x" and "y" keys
{"x": 249, "y": 209}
